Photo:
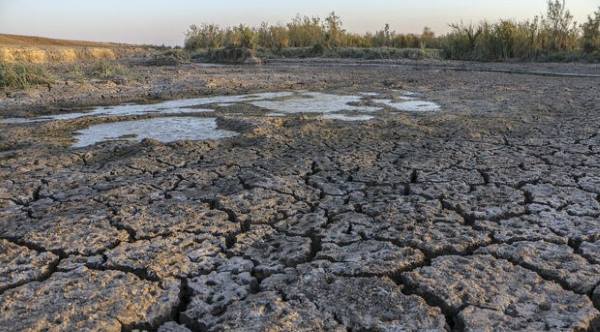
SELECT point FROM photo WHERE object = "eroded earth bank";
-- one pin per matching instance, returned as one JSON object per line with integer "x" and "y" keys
{"x": 482, "y": 215}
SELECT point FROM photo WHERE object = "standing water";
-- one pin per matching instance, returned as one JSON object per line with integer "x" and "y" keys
{"x": 161, "y": 129}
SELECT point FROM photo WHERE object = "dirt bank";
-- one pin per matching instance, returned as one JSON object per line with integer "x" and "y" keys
{"x": 39, "y": 50}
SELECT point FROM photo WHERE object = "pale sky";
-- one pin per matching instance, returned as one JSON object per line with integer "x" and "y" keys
{"x": 165, "y": 21}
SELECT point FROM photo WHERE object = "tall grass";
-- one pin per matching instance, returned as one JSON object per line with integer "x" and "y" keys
{"x": 554, "y": 33}
{"x": 23, "y": 75}
{"x": 494, "y": 41}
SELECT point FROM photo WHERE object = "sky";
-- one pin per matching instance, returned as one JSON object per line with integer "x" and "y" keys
{"x": 165, "y": 21}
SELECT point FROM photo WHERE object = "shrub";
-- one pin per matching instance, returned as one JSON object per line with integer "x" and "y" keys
{"x": 23, "y": 75}
{"x": 317, "y": 50}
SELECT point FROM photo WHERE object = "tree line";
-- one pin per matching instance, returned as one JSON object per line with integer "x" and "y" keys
{"x": 556, "y": 32}
{"x": 302, "y": 31}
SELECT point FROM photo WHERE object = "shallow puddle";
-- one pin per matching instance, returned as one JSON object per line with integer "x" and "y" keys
{"x": 121, "y": 110}
{"x": 162, "y": 129}
{"x": 409, "y": 105}
{"x": 344, "y": 117}
{"x": 369, "y": 94}
{"x": 209, "y": 65}
{"x": 315, "y": 102}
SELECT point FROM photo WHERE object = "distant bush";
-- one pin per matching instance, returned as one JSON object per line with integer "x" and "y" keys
{"x": 23, "y": 75}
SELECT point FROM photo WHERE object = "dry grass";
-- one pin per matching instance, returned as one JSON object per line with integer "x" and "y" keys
{"x": 94, "y": 70}
{"x": 23, "y": 75}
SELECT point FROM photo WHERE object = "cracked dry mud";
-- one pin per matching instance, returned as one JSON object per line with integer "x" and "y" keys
{"x": 484, "y": 216}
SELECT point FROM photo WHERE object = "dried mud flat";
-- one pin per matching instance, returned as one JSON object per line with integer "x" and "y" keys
{"x": 484, "y": 216}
